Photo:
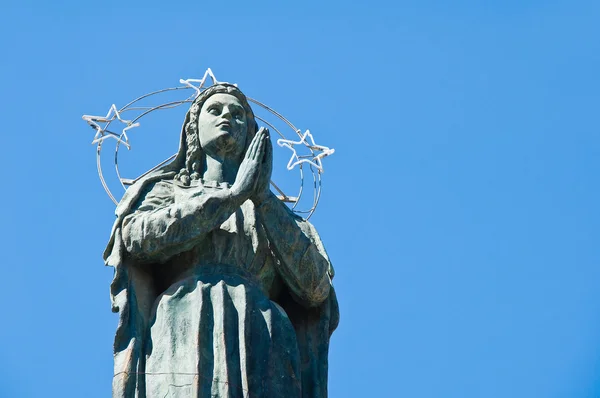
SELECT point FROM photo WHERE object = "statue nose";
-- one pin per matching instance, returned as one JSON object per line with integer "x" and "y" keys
{"x": 226, "y": 113}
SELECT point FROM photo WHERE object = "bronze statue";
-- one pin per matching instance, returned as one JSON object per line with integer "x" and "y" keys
{"x": 221, "y": 290}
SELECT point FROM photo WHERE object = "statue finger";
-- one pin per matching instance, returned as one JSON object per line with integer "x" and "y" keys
{"x": 260, "y": 150}
{"x": 259, "y": 139}
{"x": 251, "y": 148}
{"x": 269, "y": 151}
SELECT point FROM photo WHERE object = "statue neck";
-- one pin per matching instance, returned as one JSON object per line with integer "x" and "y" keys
{"x": 220, "y": 170}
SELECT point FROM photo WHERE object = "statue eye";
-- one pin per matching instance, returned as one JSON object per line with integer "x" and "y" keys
{"x": 213, "y": 110}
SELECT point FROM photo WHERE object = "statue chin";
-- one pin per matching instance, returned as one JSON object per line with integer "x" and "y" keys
{"x": 221, "y": 143}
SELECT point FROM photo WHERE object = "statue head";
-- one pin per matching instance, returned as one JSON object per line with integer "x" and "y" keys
{"x": 219, "y": 123}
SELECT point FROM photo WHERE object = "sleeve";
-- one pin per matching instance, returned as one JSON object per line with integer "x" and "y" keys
{"x": 302, "y": 260}
{"x": 164, "y": 224}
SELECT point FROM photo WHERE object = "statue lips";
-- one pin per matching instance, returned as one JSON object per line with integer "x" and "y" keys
{"x": 226, "y": 125}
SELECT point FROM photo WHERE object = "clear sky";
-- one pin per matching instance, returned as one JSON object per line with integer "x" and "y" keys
{"x": 461, "y": 208}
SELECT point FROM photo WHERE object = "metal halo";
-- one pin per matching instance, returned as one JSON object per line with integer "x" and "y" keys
{"x": 294, "y": 201}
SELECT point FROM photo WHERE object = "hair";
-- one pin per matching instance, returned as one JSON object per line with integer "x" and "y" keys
{"x": 194, "y": 155}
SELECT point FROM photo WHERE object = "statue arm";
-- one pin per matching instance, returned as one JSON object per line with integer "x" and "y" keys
{"x": 162, "y": 227}
{"x": 168, "y": 223}
{"x": 303, "y": 262}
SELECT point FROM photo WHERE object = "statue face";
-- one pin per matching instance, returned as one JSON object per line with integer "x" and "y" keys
{"x": 222, "y": 125}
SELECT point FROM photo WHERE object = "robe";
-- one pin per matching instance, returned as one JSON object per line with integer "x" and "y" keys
{"x": 217, "y": 298}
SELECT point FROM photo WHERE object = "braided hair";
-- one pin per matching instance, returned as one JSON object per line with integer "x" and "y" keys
{"x": 194, "y": 157}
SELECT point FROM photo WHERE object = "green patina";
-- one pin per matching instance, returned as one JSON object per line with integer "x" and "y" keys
{"x": 221, "y": 290}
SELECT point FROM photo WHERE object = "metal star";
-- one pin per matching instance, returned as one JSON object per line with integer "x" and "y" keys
{"x": 102, "y": 133}
{"x": 208, "y": 73}
{"x": 312, "y": 160}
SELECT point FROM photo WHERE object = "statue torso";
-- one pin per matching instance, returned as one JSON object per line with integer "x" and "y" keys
{"x": 240, "y": 242}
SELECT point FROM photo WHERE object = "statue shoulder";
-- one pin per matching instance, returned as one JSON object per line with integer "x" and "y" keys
{"x": 155, "y": 194}
{"x": 160, "y": 188}
{"x": 146, "y": 194}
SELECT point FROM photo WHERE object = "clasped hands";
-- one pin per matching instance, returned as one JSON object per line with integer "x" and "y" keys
{"x": 254, "y": 175}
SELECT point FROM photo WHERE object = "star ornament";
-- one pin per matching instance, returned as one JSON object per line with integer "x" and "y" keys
{"x": 312, "y": 160}
{"x": 102, "y": 133}
{"x": 200, "y": 86}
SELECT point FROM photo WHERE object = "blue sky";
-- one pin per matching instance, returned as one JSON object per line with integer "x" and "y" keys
{"x": 460, "y": 208}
